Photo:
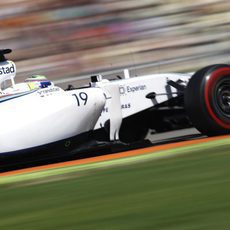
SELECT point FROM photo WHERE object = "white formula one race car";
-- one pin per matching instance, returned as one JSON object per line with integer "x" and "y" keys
{"x": 37, "y": 115}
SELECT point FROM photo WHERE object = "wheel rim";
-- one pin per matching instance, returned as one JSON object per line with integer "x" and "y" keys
{"x": 222, "y": 97}
{"x": 216, "y": 95}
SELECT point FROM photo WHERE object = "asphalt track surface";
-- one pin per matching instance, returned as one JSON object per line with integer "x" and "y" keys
{"x": 182, "y": 134}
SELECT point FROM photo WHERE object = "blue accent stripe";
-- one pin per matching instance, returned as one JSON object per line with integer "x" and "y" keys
{"x": 10, "y": 97}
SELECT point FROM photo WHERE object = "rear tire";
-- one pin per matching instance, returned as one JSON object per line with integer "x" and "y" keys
{"x": 207, "y": 100}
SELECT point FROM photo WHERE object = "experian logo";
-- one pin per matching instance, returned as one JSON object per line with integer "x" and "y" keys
{"x": 7, "y": 69}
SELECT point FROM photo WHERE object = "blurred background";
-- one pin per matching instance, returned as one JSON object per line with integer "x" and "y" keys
{"x": 67, "y": 39}
{"x": 63, "y": 39}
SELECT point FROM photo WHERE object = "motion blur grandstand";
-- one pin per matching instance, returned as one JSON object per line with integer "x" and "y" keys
{"x": 73, "y": 37}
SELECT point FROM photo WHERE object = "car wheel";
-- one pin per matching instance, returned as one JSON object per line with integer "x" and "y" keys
{"x": 207, "y": 100}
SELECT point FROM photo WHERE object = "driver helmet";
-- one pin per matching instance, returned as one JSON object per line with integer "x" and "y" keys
{"x": 38, "y": 81}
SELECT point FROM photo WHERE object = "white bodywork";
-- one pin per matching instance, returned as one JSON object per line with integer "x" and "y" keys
{"x": 32, "y": 117}
{"x": 132, "y": 94}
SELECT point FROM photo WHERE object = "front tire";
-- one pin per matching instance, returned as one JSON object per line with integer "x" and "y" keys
{"x": 207, "y": 100}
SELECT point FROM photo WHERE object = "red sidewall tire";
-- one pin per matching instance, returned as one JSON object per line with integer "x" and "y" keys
{"x": 211, "y": 82}
{"x": 202, "y": 99}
